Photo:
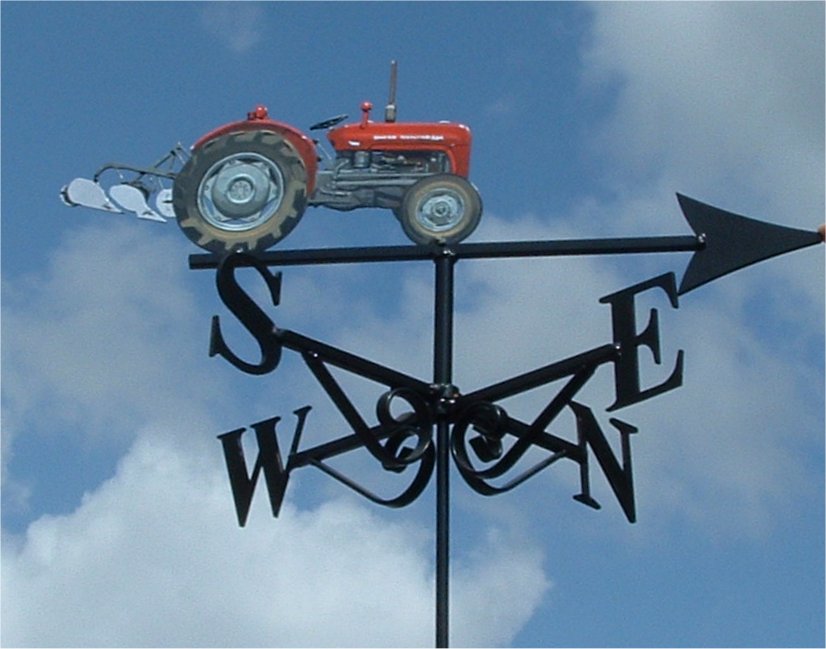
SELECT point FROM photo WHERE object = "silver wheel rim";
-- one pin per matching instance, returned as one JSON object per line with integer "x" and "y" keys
{"x": 240, "y": 192}
{"x": 440, "y": 210}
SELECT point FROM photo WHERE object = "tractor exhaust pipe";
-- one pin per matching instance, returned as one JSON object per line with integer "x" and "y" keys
{"x": 390, "y": 109}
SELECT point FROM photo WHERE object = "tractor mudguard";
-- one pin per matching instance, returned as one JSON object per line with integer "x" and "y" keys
{"x": 259, "y": 120}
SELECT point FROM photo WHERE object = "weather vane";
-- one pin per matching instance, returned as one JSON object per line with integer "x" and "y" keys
{"x": 244, "y": 186}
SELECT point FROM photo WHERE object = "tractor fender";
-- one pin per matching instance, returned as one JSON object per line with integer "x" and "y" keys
{"x": 302, "y": 144}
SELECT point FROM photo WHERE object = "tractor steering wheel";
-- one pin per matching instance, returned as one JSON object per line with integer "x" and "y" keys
{"x": 328, "y": 123}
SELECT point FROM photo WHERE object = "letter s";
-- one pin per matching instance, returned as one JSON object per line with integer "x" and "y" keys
{"x": 248, "y": 313}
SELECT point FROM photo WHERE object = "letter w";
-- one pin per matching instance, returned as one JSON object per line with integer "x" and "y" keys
{"x": 268, "y": 460}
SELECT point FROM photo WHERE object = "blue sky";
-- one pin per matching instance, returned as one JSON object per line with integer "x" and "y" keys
{"x": 117, "y": 519}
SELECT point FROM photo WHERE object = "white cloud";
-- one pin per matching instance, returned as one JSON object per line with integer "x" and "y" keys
{"x": 720, "y": 97}
{"x": 238, "y": 25}
{"x": 503, "y": 106}
{"x": 724, "y": 102}
{"x": 96, "y": 344}
{"x": 153, "y": 558}
{"x": 102, "y": 334}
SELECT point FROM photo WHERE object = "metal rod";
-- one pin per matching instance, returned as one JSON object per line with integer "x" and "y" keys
{"x": 348, "y": 361}
{"x": 443, "y": 377}
{"x": 502, "y": 250}
{"x": 538, "y": 377}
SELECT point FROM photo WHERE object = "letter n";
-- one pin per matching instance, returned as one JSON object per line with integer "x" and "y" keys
{"x": 620, "y": 477}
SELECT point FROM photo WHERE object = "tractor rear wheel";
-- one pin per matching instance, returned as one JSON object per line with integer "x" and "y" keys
{"x": 243, "y": 191}
{"x": 444, "y": 208}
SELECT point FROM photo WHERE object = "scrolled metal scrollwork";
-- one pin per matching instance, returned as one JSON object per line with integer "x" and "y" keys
{"x": 415, "y": 423}
{"x": 492, "y": 423}
{"x": 427, "y": 461}
{"x": 418, "y": 423}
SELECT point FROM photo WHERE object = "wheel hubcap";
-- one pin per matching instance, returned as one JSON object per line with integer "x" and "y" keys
{"x": 240, "y": 192}
{"x": 440, "y": 211}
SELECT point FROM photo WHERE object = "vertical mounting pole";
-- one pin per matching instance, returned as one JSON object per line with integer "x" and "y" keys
{"x": 443, "y": 378}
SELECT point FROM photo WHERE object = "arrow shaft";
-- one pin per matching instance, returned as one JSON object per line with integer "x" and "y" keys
{"x": 499, "y": 250}
{"x": 575, "y": 247}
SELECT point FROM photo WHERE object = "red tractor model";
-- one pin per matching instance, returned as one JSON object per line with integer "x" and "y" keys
{"x": 247, "y": 184}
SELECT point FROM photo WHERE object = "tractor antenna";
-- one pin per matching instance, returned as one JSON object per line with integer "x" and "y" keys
{"x": 390, "y": 110}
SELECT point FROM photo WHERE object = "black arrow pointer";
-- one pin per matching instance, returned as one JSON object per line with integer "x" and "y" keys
{"x": 723, "y": 242}
{"x": 733, "y": 242}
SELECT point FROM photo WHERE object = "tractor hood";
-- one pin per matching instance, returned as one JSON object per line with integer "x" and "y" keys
{"x": 452, "y": 138}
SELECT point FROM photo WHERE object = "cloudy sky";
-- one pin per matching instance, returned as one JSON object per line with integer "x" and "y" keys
{"x": 118, "y": 527}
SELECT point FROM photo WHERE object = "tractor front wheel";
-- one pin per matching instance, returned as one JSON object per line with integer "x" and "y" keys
{"x": 242, "y": 191}
{"x": 444, "y": 208}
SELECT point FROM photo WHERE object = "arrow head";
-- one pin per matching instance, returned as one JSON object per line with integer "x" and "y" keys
{"x": 733, "y": 242}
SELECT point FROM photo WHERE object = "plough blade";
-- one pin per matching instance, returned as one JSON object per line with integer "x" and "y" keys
{"x": 82, "y": 192}
{"x": 132, "y": 199}
{"x": 87, "y": 193}
{"x": 141, "y": 190}
{"x": 164, "y": 203}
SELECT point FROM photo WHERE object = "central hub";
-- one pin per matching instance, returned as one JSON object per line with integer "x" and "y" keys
{"x": 240, "y": 190}
{"x": 442, "y": 210}
{"x": 446, "y": 395}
